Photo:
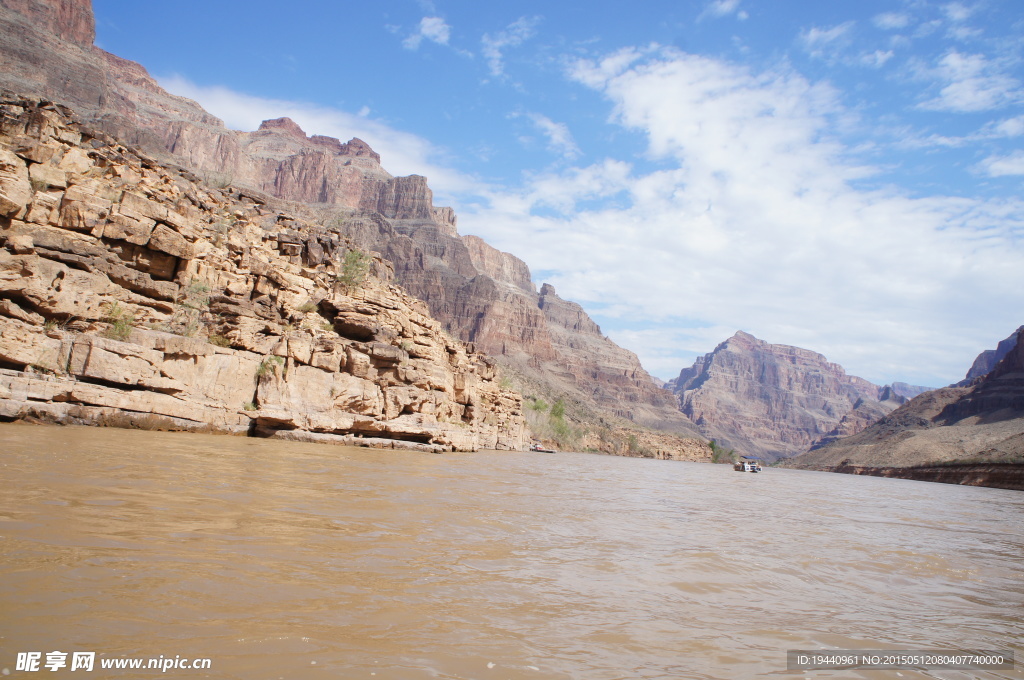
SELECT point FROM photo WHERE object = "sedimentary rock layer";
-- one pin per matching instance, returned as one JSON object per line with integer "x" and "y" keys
{"x": 988, "y": 359}
{"x": 132, "y": 294}
{"x": 981, "y": 423}
{"x": 995, "y": 475}
{"x": 775, "y": 401}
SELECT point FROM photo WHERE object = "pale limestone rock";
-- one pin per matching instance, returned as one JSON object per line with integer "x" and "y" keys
{"x": 26, "y": 344}
{"x": 83, "y": 208}
{"x": 47, "y": 176}
{"x": 75, "y": 160}
{"x": 11, "y": 309}
{"x": 15, "y": 188}
{"x": 21, "y": 244}
{"x": 130, "y": 229}
{"x": 44, "y": 208}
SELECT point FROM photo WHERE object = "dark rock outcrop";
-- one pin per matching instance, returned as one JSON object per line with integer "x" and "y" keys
{"x": 982, "y": 423}
{"x": 988, "y": 359}
{"x": 994, "y": 475}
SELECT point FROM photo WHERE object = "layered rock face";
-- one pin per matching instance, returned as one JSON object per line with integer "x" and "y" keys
{"x": 775, "y": 401}
{"x": 131, "y": 294}
{"x": 48, "y": 52}
{"x": 70, "y": 20}
{"x": 482, "y": 295}
{"x": 982, "y": 423}
{"x": 987, "y": 360}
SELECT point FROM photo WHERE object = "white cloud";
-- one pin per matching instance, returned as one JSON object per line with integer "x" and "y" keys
{"x": 877, "y": 58}
{"x": 514, "y": 34}
{"x": 971, "y": 83}
{"x": 401, "y": 153}
{"x": 824, "y": 42}
{"x": 721, "y": 8}
{"x": 927, "y": 28}
{"x": 1011, "y": 127}
{"x": 559, "y": 137}
{"x": 890, "y": 21}
{"x": 965, "y": 33}
{"x": 957, "y": 11}
{"x": 432, "y": 28}
{"x": 754, "y": 223}
{"x": 1000, "y": 166}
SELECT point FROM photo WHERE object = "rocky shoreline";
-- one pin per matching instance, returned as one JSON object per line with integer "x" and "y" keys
{"x": 994, "y": 475}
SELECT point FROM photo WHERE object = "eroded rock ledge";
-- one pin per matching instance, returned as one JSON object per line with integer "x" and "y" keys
{"x": 133, "y": 295}
{"x": 995, "y": 475}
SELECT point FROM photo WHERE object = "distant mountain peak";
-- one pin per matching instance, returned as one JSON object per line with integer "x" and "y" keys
{"x": 283, "y": 124}
{"x": 775, "y": 400}
{"x": 987, "y": 360}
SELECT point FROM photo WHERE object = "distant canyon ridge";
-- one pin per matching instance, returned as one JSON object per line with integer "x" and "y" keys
{"x": 772, "y": 401}
{"x": 777, "y": 401}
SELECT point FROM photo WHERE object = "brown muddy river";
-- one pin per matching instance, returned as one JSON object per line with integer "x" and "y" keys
{"x": 277, "y": 560}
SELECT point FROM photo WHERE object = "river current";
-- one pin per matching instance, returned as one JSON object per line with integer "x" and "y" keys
{"x": 283, "y": 560}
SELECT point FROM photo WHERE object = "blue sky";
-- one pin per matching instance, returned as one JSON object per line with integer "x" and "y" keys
{"x": 844, "y": 177}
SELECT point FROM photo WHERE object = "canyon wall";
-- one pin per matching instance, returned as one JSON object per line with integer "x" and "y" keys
{"x": 987, "y": 360}
{"x": 776, "y": 401}
{"x": 980, "y": 424}
{"x": 483, "y": 296}
{"x": 131, "y": 294}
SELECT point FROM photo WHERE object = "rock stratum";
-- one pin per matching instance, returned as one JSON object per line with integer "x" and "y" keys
{"x": 979, "y": 424}
{"x": 481, "y": 295}
{"x": 777, "y": 401}
{"x": 987, "y": 360}
{"x": 132, "y": 294}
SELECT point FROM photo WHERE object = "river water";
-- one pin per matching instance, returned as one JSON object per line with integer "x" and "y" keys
{"x": 282, "y": 560}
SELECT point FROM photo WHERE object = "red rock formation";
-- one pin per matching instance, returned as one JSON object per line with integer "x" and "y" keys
{"x": 500, "y": 266}
{"x": 36, "y": 59}
{"x": 774, "y": 401}
{"x": 70, "y": 20}
{"x": 285, "y": 125}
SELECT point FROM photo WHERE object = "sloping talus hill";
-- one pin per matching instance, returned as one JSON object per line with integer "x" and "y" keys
{"x": 133, "y": 295}
{"x": 483, "y": 296}
{"x": 776, "y": 401}
{"x": 982, "y": 423}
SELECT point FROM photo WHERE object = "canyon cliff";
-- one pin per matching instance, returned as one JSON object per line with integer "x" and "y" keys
{"x": 777, "y": 401}
{"x": 980, "y": 424}
{"x": 987, "y": 360}
{"x": 482, "y": 296}
{"x": 133, "y": 295}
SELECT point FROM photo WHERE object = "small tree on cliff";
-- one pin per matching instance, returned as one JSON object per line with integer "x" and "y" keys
{"x": 354, "y": 269}
{"x": 719, "y": 454}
